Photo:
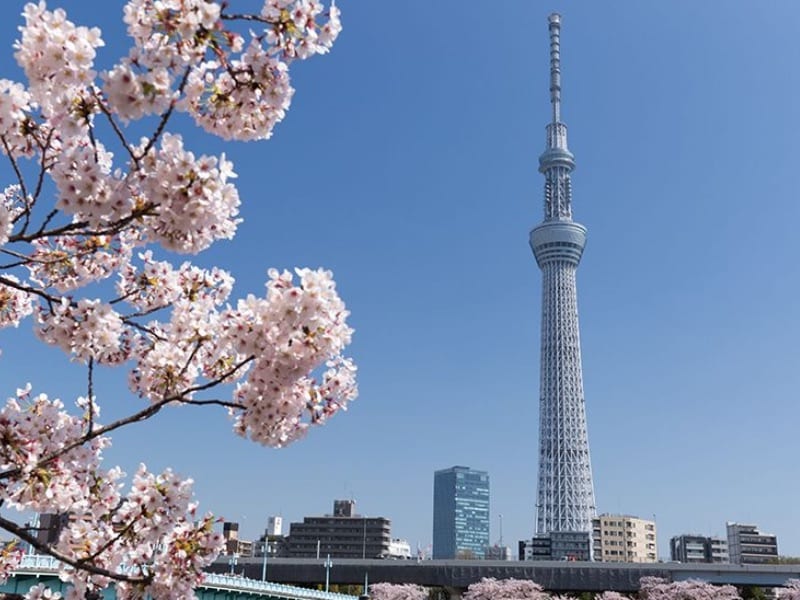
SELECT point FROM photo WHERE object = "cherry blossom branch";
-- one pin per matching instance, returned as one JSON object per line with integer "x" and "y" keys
{"x": 136, "y": 417}
{"x": 223, "y": 403}
{"x": 25, "y": 536}
{"x": 164, "y": 117}
{"x": 21, "y": 180}
{"x": 143, "y": 329}
{"x": 42, "y": 170}
{"x": 90, "y": 396}
{"x": 115, "y": 127}
{"x": 30, "y": 290}
{"x": 248, "y": 17}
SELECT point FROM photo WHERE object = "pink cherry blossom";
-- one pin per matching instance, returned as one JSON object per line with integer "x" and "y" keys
{"x": 15, "y": 304}
{"x": 490, "y": 588}
{"x": 397, "y": 591}
{"x": 790, "y": 591}
{"x": 654, "y": 588}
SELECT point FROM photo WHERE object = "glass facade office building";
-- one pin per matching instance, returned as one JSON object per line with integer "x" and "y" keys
{"x": 460, "y": 513}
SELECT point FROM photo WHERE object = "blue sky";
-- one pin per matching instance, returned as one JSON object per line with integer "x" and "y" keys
{"x": 407, "y": 165}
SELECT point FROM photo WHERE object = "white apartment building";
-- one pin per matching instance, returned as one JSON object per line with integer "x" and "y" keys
{"x": 624, "y": 538}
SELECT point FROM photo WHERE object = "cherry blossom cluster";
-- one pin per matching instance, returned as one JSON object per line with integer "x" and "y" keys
{"x": 57, "y": 57}
{"x": 490, "y": 588}
{"x": 69, "y": 262}
{"x": 295, "y": 31}
{"x": 195, "y": 204}
{"x": 15, "y": 304}
{"x": 154, "y": 532}
{"x": 86, "y": 187}
{"x": 290, "y": 333}
{"x": 790, "y": 591}
{"x": 87, "y": 330}
{"x": 243, "y": 102}
{"x": 41, "y": 592}
{"x": 655, "y": 588}
{"x": 9, "y": 209}
{"x": 397, "y": 591}
{"x": 158, "y": 284}
{"x": 190, "y": 344}
{"x": 34, "y": 429}
{"x": 10, "y": 557}
{"x": 15, "y": 102}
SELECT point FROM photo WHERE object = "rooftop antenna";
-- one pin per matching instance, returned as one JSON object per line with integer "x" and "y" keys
{"x": 500, "y": 543}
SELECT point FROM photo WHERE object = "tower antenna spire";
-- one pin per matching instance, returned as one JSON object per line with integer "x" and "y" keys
{"x": 554, "y": 21}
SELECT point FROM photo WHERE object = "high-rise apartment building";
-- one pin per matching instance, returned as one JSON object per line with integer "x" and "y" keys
{"x": 623, "y": 538}
{"x": 565, "y": 497}
{"x": 689, "y": 548}
{"x": 749, "y": 546}
{"x": 460, "y": 513}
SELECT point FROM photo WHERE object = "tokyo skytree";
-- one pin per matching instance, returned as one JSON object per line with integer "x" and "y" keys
{"x": 565, "y": 497}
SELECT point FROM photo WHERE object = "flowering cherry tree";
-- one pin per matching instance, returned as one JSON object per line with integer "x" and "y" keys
{"x": 655, "y": 588}
{"x": 397, "y": 591}
{"x": 490, "y": 588}
{"x": 89, "y": 219}
{"x": 790, "y": 591}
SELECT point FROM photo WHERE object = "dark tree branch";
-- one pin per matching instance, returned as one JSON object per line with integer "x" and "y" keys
{"x": 223, "y": 403}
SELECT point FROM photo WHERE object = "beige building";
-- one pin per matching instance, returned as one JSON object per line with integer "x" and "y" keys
{"x": 623, "y": 538}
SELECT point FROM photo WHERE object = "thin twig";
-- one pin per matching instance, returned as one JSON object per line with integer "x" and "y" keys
{"x": 22, "y": 187}
{"x": 116, "y": 128}
{"x": 164, "y": 117}
{"x": 90, "y": 396}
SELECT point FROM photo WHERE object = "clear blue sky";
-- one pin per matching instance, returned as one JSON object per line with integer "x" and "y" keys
{"x": 407, "y": 165}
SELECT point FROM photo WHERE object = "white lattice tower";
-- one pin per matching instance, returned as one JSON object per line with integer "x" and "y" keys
{"x": 565, "y": 500}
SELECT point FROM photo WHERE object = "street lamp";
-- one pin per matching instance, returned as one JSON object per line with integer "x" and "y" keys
{"x": 264, "y": 563}
{"x": 327, "y": 564}
{"x": 232, "y": 561}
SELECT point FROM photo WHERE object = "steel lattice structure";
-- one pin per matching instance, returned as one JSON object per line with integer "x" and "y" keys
{"x": 566, "y": 493}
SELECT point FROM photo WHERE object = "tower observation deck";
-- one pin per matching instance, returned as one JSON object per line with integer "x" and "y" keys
{"x": 565, "y": 496}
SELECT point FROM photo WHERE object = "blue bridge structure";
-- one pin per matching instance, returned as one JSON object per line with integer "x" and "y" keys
{"x": 36, "y": 569}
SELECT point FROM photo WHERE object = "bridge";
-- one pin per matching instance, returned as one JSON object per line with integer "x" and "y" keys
{"x": 456, "y": 575}
{"x": 36, "y": 569}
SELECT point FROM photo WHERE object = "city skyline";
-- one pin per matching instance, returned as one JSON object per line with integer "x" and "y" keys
{"x": 418, "y": 190}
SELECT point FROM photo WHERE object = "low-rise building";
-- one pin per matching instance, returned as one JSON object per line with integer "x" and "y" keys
{"x": 749, "y": 546}
{"x": 498, "y": 552}
{"x": 694, "y": 548}
{"x": 624, "y": 538}
{"x": 343, "y": 534}
{"x": 233, "y": 545}
{"x": 557, "y": 545}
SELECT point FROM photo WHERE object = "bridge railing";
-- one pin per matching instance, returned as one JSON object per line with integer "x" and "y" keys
{"x": 218, "y": 580}
{"x": 47, "y": 564}
{"x": 38, "y": 562}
